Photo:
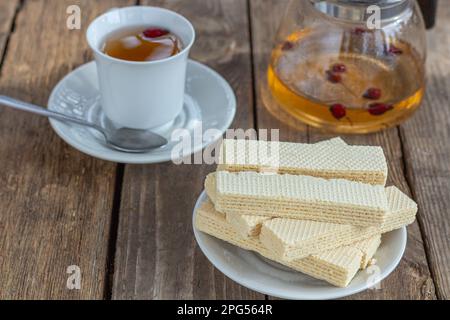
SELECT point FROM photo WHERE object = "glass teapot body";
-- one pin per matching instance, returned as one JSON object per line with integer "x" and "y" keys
{"x": 349, "y": 66}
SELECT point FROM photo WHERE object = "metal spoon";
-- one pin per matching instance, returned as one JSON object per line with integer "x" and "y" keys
{"x": 124, "y": 139}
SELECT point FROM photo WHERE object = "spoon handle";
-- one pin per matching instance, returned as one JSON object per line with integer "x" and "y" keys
{"x": 24, "y": 106}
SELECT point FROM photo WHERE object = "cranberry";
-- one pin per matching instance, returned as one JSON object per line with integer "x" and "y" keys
{"x": 339, "y": 68}
{"x": 333, "y": 77}
{"x": 155, "y": 33}
{"x": 287, "y": 46}
{"x": 359, "y": 31}
{"x": 378, "y": 109}
{"x": 338, "y": 111}
{"x": 395, "y": 50}
{"x": 373, "y": 94}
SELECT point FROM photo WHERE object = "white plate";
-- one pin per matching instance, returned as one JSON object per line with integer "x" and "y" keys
{"x": 259, "y": 274}
{"x": 209, "y": 104}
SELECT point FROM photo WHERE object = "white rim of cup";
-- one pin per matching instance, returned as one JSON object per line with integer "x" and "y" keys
{"x": 98, "y": 51}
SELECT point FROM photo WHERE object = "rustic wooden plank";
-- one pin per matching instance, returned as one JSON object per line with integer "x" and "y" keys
{"x": 7, "y": 15}
{"x": 412, "y": 278}
{"x": 157, "y": 257}
{"x": 426, "y": 141}
{"x": 55, "y": 202}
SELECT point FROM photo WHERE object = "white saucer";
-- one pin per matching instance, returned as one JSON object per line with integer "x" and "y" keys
{"x": 209, "y": 104}
{"x": 259, "y": 274}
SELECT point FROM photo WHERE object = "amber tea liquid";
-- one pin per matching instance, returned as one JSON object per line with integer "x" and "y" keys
{"x": 345, "y": 91}
{"x": 142, "y": 44}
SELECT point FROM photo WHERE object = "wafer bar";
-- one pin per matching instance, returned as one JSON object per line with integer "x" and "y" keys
{"x": 327, "y": 160}
{"x": 298, "y": 197}
{"x": 294, "y": 239}
{"x": 337, "y": 267}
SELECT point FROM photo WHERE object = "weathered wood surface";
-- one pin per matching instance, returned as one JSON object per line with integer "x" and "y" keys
{"x": 426, "y": 144}
{"x": 157, "y": 257}
{"x": 56, "y": 203}
{"x": 129, "y": 227}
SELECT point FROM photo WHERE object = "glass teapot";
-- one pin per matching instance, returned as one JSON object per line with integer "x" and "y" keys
{"x": 348, "y": 66}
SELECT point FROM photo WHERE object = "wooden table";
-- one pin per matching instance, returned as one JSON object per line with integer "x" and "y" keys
{"x": 128, "y": 227}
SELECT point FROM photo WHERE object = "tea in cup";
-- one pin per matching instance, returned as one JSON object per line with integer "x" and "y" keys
{"x": 141, "y": 55}
{"x": 142, "y": 44}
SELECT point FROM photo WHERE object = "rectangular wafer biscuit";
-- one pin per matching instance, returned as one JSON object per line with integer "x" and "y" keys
{"x": 337, "y": 267}
{"x": 292, "y": 239}
{"x": 324, "y": 160}
{"x": 298, "y": 197}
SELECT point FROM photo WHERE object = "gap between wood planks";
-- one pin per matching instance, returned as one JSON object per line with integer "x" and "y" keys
{"x": 113, "y": 231}
{"x": 11, "y": 31}
{"x": 114, "y": 226}
{"x": 253, "y": 67}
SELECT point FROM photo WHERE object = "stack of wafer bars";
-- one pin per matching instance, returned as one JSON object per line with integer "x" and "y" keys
{"x": 319, "y": 209}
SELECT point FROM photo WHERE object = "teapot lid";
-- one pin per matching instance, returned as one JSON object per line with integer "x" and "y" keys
{"x": 356, "y": 10}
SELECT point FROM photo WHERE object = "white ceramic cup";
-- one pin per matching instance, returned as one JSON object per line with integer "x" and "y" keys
{"x": 141, "y": 95}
